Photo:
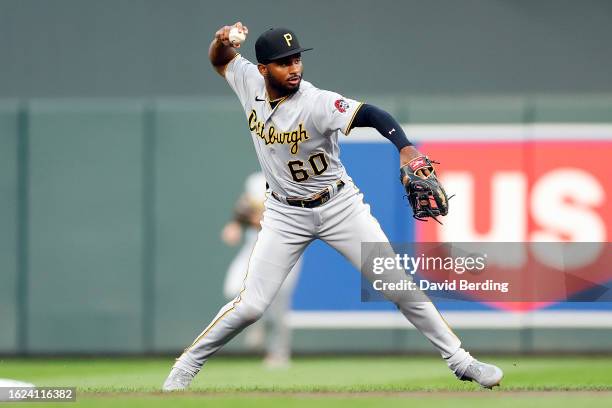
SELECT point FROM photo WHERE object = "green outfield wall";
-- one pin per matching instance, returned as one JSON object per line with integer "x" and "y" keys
{"x": 157, "y": 48}
{"x": 111, "y": 209}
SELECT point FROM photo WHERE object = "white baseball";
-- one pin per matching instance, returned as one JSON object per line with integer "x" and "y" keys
{"x": 236, "y": 36}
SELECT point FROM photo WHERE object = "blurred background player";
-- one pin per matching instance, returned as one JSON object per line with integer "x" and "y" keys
{"x": 272, "y": 332}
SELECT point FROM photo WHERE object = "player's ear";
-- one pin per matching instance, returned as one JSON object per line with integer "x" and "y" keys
{"x": 263, "y": 69}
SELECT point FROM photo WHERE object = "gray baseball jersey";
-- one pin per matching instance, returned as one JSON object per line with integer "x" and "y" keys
{"x": 297, "y": 141}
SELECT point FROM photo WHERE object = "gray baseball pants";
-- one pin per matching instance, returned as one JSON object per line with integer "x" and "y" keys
{"x": 344, "y": 222}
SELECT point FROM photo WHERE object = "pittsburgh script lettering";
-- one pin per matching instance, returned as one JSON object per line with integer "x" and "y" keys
{"x": 272, "y": 136}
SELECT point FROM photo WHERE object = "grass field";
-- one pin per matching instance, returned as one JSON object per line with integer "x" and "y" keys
{"x": 324, "y": 382}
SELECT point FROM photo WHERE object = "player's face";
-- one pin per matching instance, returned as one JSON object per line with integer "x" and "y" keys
{"x": 285, "y": 75}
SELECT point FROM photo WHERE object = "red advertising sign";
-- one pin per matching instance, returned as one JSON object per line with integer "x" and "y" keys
{"x": 517, "y": 191}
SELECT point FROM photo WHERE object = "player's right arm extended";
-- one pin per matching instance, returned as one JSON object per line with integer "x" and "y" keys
{"x": 221, "y": 51}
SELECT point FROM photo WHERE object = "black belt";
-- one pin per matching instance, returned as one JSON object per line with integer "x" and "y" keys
{"x": 316, "y": 200}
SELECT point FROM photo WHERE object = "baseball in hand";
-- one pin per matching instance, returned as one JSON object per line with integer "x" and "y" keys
{"x": 236, "y": 36}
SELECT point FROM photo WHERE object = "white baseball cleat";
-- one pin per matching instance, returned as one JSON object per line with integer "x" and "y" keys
{"x": 272, "y": 362}
{"x": 178, "y": 380}
{"x": 487, "y": 375}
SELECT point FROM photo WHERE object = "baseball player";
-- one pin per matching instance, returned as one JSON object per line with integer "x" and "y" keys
{"x": 275, "y": 331}
{"x": 295, "y": 129}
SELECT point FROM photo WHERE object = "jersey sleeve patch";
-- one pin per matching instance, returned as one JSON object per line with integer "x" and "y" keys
{"x": 341, "y": 105}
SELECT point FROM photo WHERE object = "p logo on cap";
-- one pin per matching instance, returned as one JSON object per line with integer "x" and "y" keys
{"x": 277, "y": 43}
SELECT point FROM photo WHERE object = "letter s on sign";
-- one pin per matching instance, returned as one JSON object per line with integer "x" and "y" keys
{"x": 562, "y": 204}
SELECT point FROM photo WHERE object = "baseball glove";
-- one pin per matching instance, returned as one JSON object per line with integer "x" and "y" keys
{"x": 423, "y": 190}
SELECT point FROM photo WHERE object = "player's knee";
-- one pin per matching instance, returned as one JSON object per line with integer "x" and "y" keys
{"x": 251, "y": 313}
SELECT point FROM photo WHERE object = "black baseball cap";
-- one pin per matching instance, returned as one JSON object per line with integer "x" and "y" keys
{"x": 277, "y": 43}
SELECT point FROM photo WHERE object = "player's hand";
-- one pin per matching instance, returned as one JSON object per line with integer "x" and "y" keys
{"x": 423, "y": 190}
{"x": 231, "y": 234}
{"x": 222, "y": 35}
{"x": 406, "y": 155}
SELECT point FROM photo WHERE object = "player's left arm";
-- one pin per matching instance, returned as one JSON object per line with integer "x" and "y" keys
{"x": 372, "y": 116}
{"x": 425, "y": 194}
